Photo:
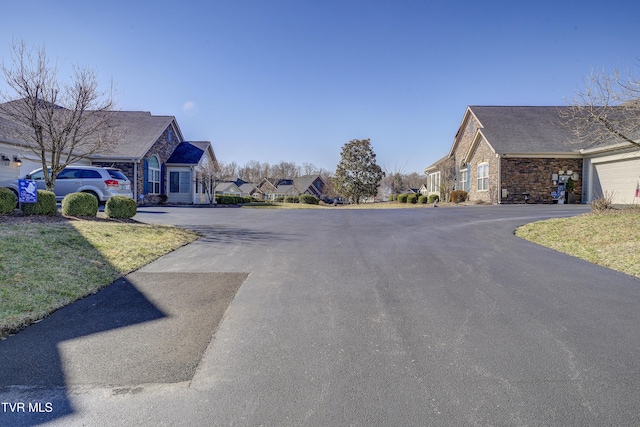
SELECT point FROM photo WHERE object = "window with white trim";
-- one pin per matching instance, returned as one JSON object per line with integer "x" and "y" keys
{"x": 462, "y": 179}
{"x": 179, "y": 182}
{"x": 483, "y": 176}
{"x": 154, "y": 175}
{"x": 434, "y": 182}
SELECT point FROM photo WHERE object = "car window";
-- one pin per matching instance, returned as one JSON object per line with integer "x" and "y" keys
{"x": 116, "y": 174}
{"x": 89, "y": 173}
{"x": 69, "y": 173}
{"x": 37, "y": 175}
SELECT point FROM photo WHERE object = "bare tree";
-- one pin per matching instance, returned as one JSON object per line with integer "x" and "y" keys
{"x": 61, "y": 122}
{"x": 228, "y": 171}
{"x": 606, "y": 110}
{"x": 285, "y": 170}
{"x": 208, "y": 175}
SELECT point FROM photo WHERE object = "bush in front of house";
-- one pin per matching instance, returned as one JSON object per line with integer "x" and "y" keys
{"x": 308, "y": 199}
{"x": 79, "y": 204}
{"x": 46, "y": 204}
{"x": 402, "y": 198}
{"x": 291, "y": 199}
{"x": 393, "y": 197}
{"x": 422, "y": 199}
{"x": 459, "y": 196}
{"x": 412, "y": 198}
{"x": 225, "y": 199}
{"x": 120, "y": 207}
{"x": 434, "y": 198}
{"x": 8, "y": 201}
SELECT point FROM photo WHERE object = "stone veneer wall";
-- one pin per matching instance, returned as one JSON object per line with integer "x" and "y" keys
{"x": 533, "y": 176}
{"x": 162, "y": 148}
{"x": 483, "y": 154}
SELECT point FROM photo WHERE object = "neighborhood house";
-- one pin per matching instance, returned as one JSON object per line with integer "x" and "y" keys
{"x": 511, "y": 154}
{"x": 163, "y": 167}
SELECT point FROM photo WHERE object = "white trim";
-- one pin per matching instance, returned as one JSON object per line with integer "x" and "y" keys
{"x": 483, "y": 177}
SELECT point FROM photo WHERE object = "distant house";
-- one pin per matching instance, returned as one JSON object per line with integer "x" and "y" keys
{"x": 275, "y": 189}
{"x": 142, "y": 149}
{"x": 509, "y": 155}
{"x": 228, "y": 188}
{"x": 249, "y": 189}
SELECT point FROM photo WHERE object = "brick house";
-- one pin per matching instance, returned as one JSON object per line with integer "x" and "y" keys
{"x": 509, "y": 155}
{"x": 142, "y": 149}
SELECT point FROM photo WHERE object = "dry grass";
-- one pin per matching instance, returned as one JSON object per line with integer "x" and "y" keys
{"x": 47, "y": 265}
{"x": 610, "y": 239}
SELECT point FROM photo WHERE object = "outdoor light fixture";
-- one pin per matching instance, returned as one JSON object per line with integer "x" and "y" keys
{"x": 17, "y": 161}
{"x": 5, "y": 159}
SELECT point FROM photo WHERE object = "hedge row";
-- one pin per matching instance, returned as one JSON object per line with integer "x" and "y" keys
{"x": 73, "y": 204}
{"x": 223, "y": 199}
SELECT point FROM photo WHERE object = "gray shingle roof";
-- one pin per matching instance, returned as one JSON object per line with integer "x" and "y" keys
{"x": 535, "y": 129}
{"x": 134, "y": 132}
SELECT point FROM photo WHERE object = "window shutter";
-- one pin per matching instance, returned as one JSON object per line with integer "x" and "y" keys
{"x": 163, "y": 172}
{"x": 468, "y": 178}
{"x": 146, "y": 177}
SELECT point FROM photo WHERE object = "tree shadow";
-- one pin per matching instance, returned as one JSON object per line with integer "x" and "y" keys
{"x": 228, "y": 234}
{"x": 33, "y": 387}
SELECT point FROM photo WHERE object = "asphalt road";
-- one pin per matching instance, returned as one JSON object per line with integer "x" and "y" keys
{"x": 387, "y": 317}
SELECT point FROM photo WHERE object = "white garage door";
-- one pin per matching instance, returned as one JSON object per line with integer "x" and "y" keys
{"x": 619, "y": 179}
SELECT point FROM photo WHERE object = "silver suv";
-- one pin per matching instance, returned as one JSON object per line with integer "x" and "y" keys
{"x": 103, "y": 183}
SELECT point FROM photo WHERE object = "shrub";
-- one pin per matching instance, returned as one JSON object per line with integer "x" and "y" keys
{"x": 412, "y": 198}
{"x": 392, "y": 197}
{"x": 434, "y": 198}
{"x": 458, "y": 196}
{"x": 8, "y": 201}
{"x": 308, "y": 199}
{"x": 224, "y": 199}
{"x": 402, "y": 198}
{"x": 79, "y": 204}
{"x": 291, "y": 199}
{"x": 120, "y": 207}
{"x": 604, "y": 203}
{"x": 422, "y": 199}
{"x": 46, "y": 204}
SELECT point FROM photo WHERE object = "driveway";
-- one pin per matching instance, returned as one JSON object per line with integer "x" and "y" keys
{"x": 388, "y": 317}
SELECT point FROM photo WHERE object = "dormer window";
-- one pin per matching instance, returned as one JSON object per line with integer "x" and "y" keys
{"x": 169, "y": 135}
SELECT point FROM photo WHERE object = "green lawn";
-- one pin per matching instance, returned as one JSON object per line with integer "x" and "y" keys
{"x": 610, "y": 239}
{"x": 45, "y": 266}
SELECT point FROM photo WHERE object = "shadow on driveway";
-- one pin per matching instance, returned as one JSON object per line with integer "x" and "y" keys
{"x": 145, "y": 328}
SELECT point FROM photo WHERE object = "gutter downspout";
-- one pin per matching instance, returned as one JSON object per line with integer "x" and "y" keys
{"x": 194, "y": 187}
{"x": 135, "y": 179}
{"x": 499, "y": 189}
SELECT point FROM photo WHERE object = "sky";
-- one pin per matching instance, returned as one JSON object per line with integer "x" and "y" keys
{"x": 294, "y": 80}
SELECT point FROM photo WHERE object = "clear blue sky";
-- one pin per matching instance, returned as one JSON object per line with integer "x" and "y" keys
{"x": 294, "y": 80}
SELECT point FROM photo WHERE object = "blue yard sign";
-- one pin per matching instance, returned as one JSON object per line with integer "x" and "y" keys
{"x": 28, "y": 191}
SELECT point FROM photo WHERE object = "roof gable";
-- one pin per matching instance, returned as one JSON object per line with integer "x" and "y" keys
{"x": 134, "y": 132}
{"x": 186, "y": 153}
{"x": 537, "y": 129}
